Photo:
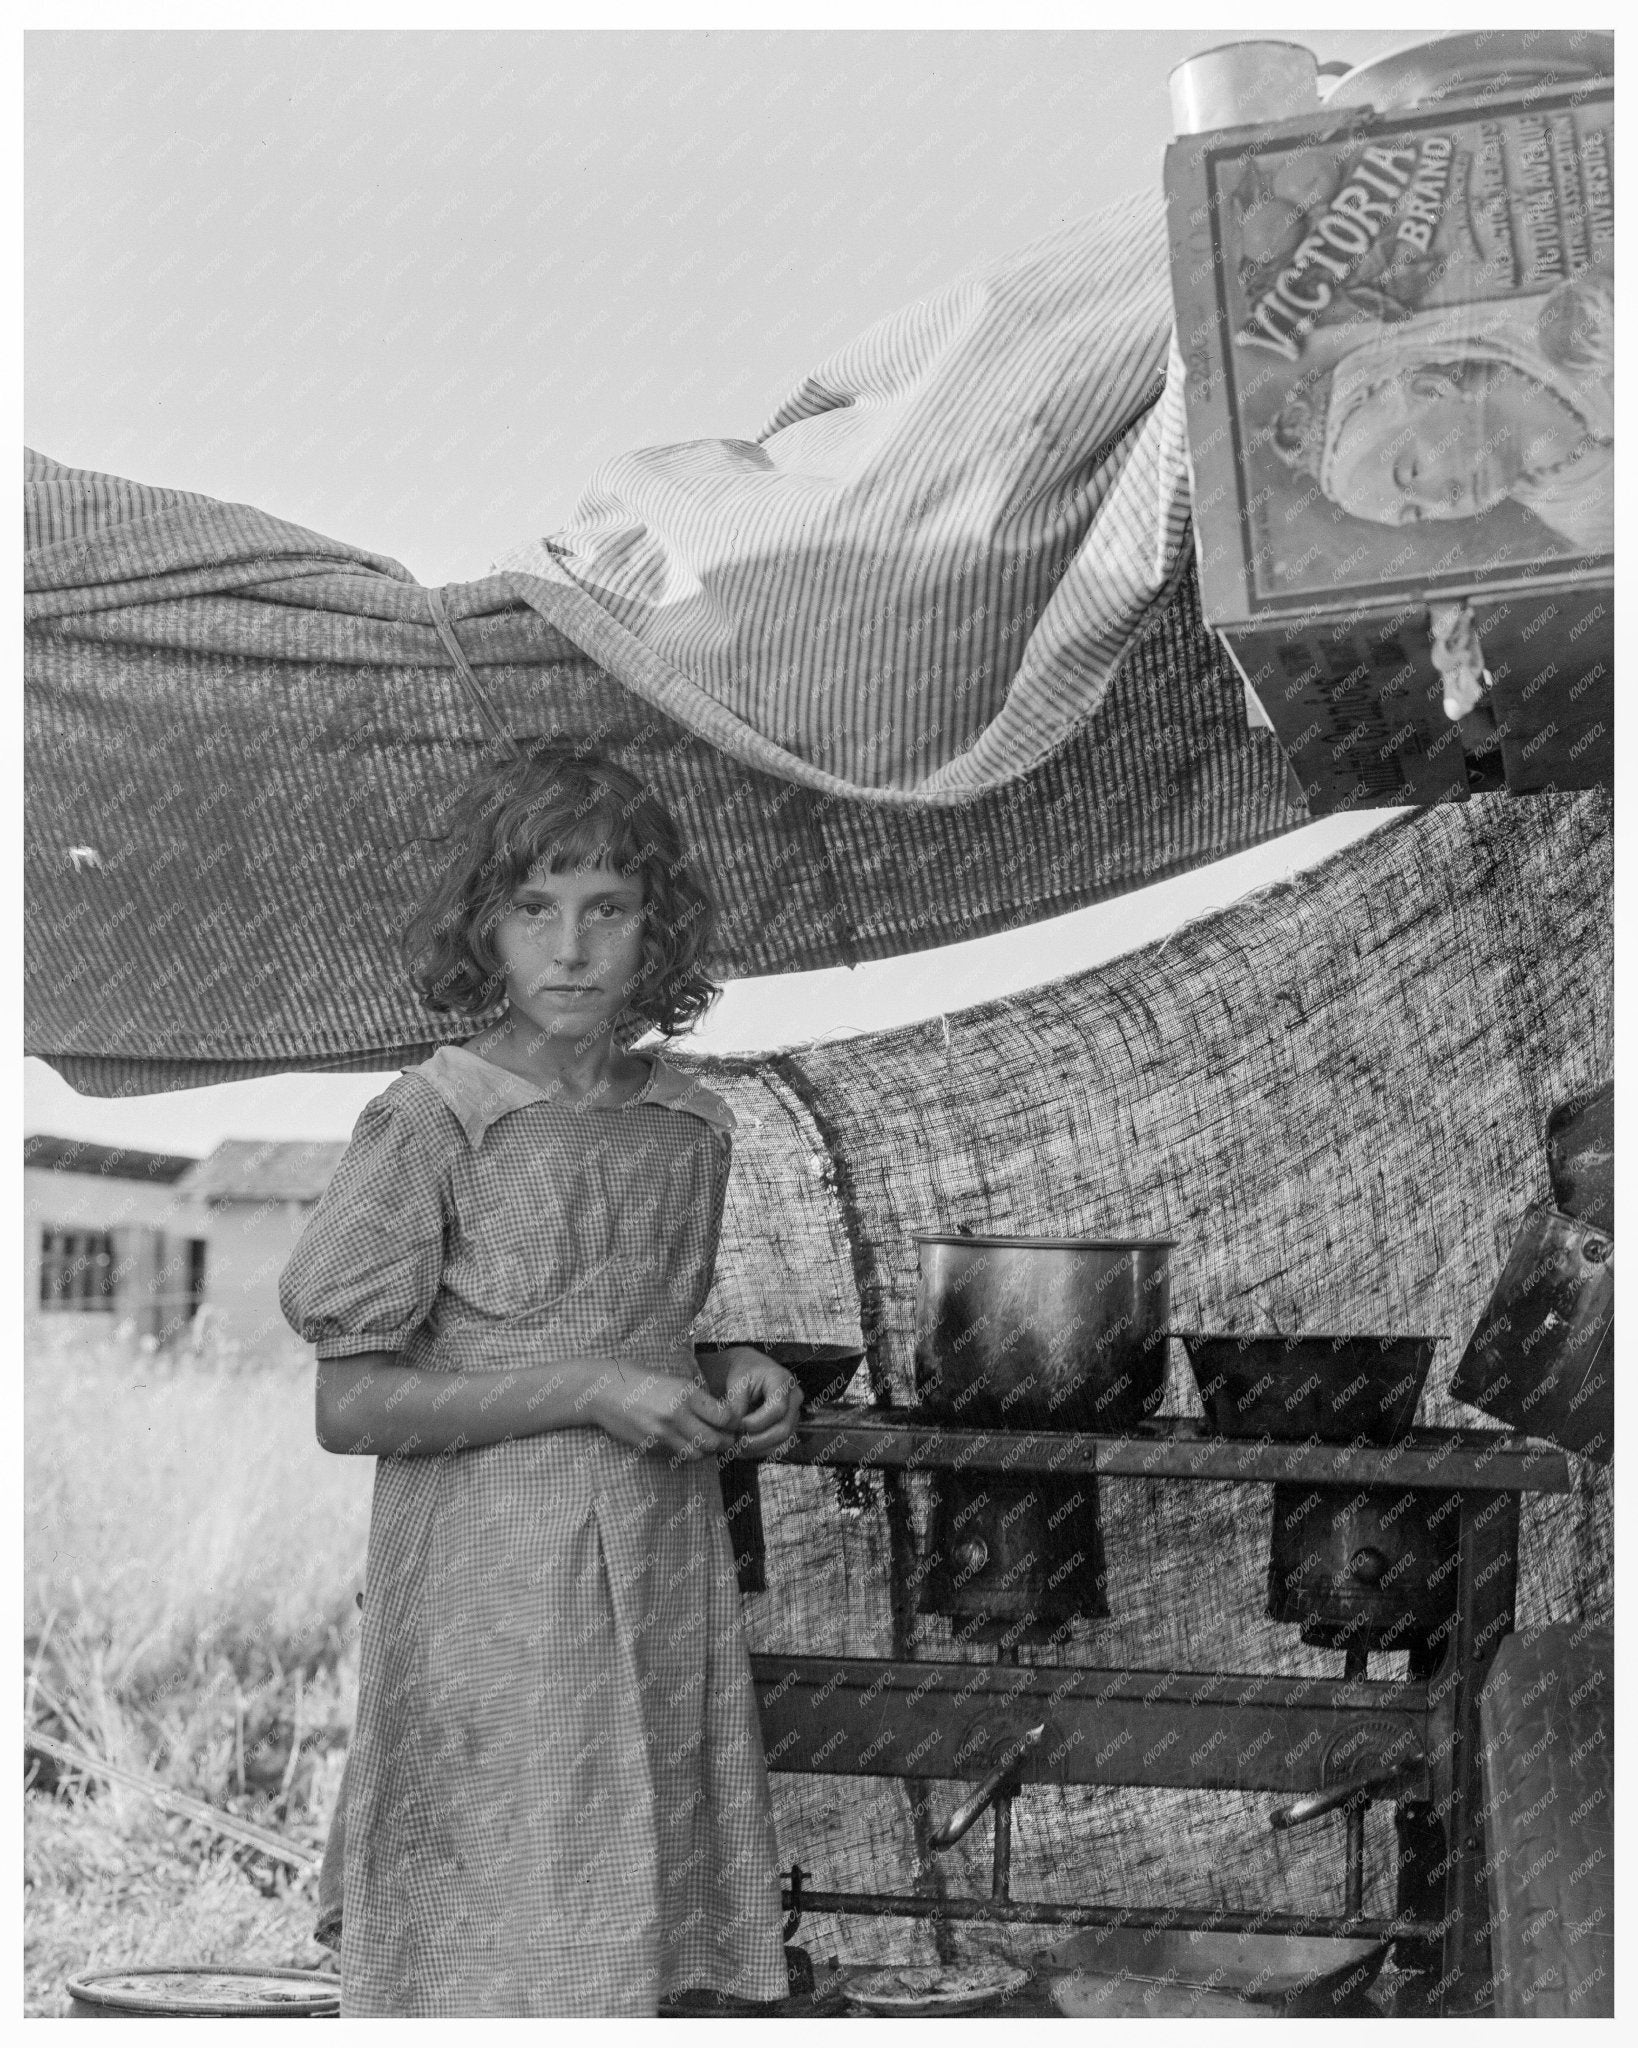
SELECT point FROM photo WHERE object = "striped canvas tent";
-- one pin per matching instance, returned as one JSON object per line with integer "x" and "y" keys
{"x": 921, "y": 662}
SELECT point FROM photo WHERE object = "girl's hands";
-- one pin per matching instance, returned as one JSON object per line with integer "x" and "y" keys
{"x": 763, "y": 1397}
{"x": 658, "y": 1411}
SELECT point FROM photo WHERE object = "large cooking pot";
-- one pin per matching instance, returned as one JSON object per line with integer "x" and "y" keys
{"x": 1041, "y": 1332}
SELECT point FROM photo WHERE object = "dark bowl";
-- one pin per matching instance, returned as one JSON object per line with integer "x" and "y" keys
{"x": 822, "y": 1370}
{"x": 1292, "y": 1389}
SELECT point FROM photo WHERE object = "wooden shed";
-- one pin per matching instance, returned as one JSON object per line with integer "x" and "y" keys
{"x": 253, "y": 1196}
{"x": 107, "y": 1231}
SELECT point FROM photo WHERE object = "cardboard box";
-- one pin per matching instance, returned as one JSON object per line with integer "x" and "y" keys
{"x": 1398, "y": 333}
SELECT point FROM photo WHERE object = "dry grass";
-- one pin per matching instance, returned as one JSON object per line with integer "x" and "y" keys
{"x": 109, "y": 1883}
{"x": 179, "y": 1507}
{"x": 191, "y": 1558}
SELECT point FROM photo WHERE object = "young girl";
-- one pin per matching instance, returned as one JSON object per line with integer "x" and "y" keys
{"x": 557, "y": 1800}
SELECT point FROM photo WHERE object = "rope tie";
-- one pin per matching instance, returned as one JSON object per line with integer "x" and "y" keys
{"x": 1453, "y": 641}
{"x": 498, "y": 730}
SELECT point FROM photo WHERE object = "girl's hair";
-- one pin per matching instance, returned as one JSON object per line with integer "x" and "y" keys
{"x": 559, "y": 809}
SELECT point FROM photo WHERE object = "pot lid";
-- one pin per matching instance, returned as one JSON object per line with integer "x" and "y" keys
{"x": 1486, "y": 62}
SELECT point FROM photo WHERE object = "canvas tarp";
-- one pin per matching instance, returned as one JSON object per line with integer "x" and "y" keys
{"x": 1332, "y": 1096}
{"x": 921, "y": 662}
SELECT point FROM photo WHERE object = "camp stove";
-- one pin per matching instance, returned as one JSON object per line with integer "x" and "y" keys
{"x": 1002, "y": 1724}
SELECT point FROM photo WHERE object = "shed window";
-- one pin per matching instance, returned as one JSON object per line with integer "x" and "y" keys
{"x": 76, "y": 1269}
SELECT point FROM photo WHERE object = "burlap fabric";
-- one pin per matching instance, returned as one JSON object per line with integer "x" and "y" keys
{"x": 1332, "y": 1096}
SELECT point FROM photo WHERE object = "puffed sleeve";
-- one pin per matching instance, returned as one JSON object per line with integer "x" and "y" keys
{"x": 366, "y": 1270}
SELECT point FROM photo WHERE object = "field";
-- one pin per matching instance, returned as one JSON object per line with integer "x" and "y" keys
{"x": 191, "y": 1561}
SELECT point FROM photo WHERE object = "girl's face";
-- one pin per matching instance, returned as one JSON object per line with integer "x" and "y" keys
{"x": 572, "y": 948}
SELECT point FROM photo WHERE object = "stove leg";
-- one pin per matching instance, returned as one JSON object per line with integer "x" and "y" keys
{"x": 1423, "y": 1858}
{"x": 904, "y": 1576}
{"x": 1001, "y": 1870}
{"x": 1353, "y": 1884}
{"x": 1486, "y": 1579}
{"x": 1356, "y": 1664}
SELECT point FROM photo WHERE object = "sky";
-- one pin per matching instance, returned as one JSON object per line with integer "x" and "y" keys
{"x": 412, "y": 289}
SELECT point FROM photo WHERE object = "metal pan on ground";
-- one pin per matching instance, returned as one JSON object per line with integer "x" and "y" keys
{"x": 1179, "y": 1970}
{"x": 1080, "y": 1997}
{"x": 202, "y": 1991}
{"x": 1337, "y": 1388}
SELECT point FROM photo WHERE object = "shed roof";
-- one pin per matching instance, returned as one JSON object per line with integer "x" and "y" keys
{"x": 265, "y": 1170}
{"x": 112, "y": 1162}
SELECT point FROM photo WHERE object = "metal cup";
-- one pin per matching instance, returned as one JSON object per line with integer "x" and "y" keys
{"x": 1238, "y": 84}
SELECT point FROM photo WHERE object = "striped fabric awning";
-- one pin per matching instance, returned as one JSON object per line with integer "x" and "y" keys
{"x": 919, "y": 579}
{"x": 922, "y": 661}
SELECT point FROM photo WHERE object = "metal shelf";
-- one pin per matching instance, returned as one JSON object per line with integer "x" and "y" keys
{"x": 1449, "y": 1460}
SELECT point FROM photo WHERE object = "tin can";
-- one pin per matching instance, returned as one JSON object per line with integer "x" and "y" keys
{"x": 1238, "y": 84}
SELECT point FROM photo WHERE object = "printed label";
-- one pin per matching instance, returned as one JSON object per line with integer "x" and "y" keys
{"x": 1416, "y": 332}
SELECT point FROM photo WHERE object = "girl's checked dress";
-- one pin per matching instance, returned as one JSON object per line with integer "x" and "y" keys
{"x": 557, "y": 1800}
